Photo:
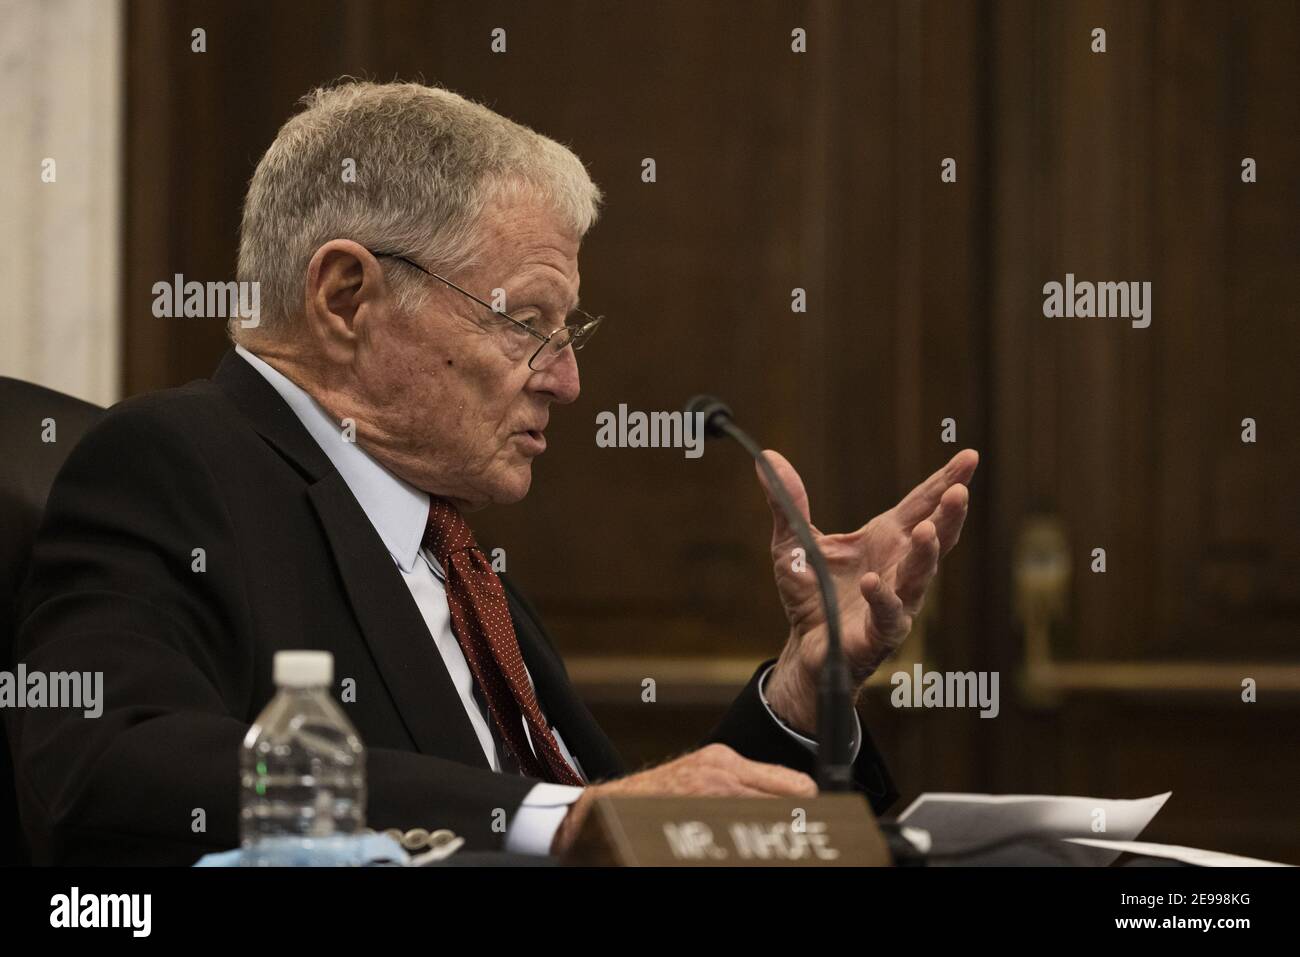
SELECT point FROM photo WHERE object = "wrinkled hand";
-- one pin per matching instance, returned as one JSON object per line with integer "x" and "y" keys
{"x": 880, "y": 574}
{"x": 713, "y": 771}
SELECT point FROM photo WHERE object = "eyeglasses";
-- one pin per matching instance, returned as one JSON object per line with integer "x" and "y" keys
{"x": 575, "y": 334}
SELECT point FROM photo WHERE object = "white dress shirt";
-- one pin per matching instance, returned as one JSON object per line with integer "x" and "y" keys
{"x": 399, "y": 511}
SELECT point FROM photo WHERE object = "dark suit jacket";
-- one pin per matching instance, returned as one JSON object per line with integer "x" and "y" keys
{"x": 291, "y": 562}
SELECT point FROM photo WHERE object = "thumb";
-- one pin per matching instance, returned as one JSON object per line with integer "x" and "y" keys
{"x": 789, "y": 478}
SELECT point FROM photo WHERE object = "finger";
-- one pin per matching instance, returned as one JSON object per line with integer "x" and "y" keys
{"x": 772, "y": 778}
{"x": 713, "y": 782}
{"x": 919, "y": 503}
{"x": 789, "y": 478}
{"x": 918, "y": 567}
{"x": 950, "y": 516}
{"x": 740, "y": 790}
{"x": 889, "y": 620}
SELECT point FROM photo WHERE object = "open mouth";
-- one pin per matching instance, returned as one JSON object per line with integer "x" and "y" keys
{"x": 533, "y": 441}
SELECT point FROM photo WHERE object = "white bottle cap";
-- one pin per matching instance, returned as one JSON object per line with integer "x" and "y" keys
{"x": 303, "y": 669}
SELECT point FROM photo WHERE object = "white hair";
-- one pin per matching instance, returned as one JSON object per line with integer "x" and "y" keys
{"x": 427, "y": 162}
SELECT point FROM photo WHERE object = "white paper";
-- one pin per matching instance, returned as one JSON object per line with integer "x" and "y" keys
{"x": 1188, "y": 855}
{"x": 990, "y": 826}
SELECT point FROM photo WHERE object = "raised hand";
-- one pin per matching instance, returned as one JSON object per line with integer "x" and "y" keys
{"x": 880, "y": 572}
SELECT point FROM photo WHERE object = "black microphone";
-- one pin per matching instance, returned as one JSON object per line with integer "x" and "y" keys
{"x": 834, "y": 689}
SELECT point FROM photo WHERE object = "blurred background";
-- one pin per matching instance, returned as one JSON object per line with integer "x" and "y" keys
{"x": 778, "y": 170}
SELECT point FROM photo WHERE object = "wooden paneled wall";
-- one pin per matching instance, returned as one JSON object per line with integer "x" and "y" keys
{"x": 820, "y": 171}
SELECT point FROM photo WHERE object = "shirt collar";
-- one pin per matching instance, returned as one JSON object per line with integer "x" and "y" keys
{"x": 397, "y": 509}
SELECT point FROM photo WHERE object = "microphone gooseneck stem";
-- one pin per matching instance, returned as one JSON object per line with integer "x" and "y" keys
{"x": 834, "y": 689}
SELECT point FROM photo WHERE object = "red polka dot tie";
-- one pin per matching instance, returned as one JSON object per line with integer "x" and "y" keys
{"x": 480, "y": 620}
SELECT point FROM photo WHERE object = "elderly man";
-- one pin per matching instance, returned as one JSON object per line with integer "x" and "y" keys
{"x": 418, "y": 322}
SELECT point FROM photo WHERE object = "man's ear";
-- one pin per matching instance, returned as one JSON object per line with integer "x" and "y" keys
{"x": 345, "y": 289}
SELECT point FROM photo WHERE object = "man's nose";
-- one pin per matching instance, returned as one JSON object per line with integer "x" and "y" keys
{"x": 560, "y": 379}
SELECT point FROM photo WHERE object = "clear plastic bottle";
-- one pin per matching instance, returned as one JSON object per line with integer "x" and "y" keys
{"x": 303, "y": 780}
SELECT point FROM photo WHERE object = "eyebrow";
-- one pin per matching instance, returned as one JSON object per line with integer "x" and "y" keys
{"x": 531, "y": 290}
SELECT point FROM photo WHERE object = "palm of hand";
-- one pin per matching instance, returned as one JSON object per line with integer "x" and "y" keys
{"x": 880, "y": 572}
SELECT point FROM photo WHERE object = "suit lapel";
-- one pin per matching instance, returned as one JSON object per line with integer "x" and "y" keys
{"x": 398, "y": 638}
{"x": 561, "y": 704}
{"x": 390, "y": 622}
{"x": 412, "y": 670}
{"x": 271, "y": 416}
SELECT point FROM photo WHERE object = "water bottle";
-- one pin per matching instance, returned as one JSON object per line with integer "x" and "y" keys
{"x": 303, "y": 781}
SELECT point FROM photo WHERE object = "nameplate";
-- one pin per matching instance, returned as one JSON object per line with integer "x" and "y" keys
{"x": 836, "y": 830}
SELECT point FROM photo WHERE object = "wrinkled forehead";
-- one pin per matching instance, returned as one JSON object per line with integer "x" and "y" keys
{"x": 527, "y": 248}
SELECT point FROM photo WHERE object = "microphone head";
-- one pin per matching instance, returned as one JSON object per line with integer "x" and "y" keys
{"x": 714, "y": 412}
